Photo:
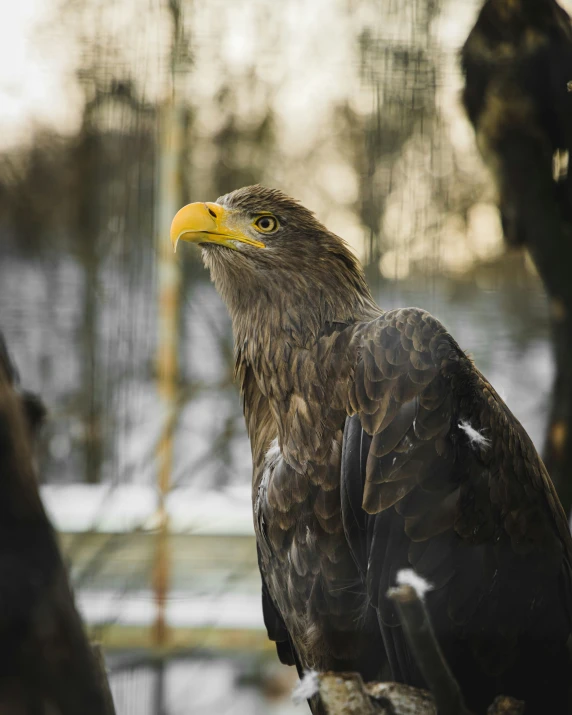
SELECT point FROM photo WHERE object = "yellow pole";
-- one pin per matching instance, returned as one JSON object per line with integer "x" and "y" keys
{"x": 169, "y": 282}
{"x": 169, "y": 195}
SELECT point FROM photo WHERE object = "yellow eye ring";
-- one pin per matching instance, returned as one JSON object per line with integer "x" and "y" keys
{"x": 266, "y": 224}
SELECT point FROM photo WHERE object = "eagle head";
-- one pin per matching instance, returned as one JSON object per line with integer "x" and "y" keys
{"x": 269, "y": 256}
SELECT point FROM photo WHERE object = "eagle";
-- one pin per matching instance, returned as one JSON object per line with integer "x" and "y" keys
{"x": 377, "y": 445}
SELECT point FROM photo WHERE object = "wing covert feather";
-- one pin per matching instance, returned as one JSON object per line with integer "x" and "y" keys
{"x": 452, "y": 487}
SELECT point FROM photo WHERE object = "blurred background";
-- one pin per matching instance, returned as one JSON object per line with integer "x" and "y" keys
{"x": 114, "y": 114}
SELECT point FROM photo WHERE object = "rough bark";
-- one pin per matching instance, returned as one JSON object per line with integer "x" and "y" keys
{"x": 346, "y": 694}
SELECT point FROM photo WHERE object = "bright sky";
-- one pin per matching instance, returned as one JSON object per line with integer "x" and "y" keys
{"x": 34, "y": 80}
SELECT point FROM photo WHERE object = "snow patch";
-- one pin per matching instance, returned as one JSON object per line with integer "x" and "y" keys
{"x": 306, "y": 687}
{"x": 105, "y": 508}
{"x": 231, "y": 611}
{"x": 476, "y": 438}
{"x": 408, "y": 577}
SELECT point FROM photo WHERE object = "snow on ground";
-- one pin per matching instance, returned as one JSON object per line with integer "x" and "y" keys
{"x": 231, "y": 610}
{"x": 76, "y": 508}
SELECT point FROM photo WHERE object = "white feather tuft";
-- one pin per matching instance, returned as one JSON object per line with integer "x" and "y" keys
{"x": 408, "y": 577}
{"x": 273, "y": 452}
{"x": 270, "y": 461}
{"x": 306, "y": 687}
{"x": 476, "y": 439}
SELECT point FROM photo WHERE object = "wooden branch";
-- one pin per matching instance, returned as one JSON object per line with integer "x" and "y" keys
{"x": 344, "y": 694}
{"x": 503, "y": 705}
{"x": 427, "y": 653}
{"x": 402, "y": 699}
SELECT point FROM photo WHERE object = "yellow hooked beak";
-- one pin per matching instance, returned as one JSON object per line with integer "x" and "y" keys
{"x": 207, "y": 223}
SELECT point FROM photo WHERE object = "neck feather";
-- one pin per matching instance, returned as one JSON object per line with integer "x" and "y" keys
{"x": 271, "y": 308}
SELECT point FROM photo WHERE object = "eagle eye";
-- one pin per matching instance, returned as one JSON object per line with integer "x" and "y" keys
{"x": 266, "y": 224}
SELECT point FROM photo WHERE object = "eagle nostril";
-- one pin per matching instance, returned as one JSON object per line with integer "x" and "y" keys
{"x": 212, "y": 213}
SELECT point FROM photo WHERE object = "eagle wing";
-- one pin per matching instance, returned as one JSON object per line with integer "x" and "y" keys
{"x": 437, "y": 475}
